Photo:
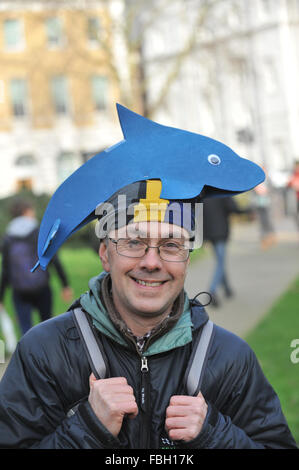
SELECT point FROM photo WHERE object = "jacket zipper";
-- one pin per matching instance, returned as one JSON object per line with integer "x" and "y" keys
{"x": 145, "y": 404}
{"x": 145, "y": 398}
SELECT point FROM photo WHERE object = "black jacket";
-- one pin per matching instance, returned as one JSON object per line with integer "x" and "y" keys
{"x": 49, "y": 374}
{"x": 216, "y": 217}
{"x": 31, "y": 238}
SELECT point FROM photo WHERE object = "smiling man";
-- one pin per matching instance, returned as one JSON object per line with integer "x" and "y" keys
{"x": 147, "y": 330}
{"x": 146, "y": 285}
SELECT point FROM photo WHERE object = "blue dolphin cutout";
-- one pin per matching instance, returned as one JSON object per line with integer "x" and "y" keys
{"x": 185, "y": 162}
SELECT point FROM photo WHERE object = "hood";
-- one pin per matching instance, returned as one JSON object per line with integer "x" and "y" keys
{"x": 21, "y": 226}
{"x": 179, "y": 335}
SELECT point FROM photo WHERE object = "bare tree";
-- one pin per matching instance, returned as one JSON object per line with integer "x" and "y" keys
{"x": 139, "y": 18}
{"x": 122, "y": 41}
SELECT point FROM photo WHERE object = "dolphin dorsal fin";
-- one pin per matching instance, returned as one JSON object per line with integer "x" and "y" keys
{"x": 133, "y": 124}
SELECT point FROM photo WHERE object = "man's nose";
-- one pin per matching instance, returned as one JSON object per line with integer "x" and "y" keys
{"x": 151, "y": 260}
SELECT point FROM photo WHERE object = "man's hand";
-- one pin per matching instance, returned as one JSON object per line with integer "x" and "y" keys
{"x": 67, "y": 294}
{"x": 185, "y": 416}
{"x": 112, "y": 399}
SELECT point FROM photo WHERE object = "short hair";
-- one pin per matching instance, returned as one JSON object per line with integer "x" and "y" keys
{"x": 19, "y": 207}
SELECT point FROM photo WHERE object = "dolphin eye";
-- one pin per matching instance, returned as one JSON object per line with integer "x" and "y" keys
{"x": 214, "y": 159}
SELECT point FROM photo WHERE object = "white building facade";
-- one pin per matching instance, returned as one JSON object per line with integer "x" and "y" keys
{"x": 240, "y": 83}
{"x": 48, "y": 157}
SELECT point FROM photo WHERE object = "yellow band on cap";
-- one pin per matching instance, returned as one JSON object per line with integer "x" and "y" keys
{"x": 152, "y": 208}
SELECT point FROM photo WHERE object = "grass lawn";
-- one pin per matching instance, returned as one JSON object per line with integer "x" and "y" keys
{"x": 271, "y": 341}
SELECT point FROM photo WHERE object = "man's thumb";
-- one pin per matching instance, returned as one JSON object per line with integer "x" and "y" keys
{"x": 92, "y": 379}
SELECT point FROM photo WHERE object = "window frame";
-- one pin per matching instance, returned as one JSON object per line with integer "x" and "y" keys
{"x": 24, "y": 105}
{"x": 60, "y": 38}
{"x": 98, "y": 107}
{"x": 20, "y": 44}
{"x": 55, "y": 102}
{"x": 93, "y": 41}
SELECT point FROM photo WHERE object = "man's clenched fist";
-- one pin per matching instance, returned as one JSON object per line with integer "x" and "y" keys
{"x": 112, "y": 399}
{"x": 185, "y": 416}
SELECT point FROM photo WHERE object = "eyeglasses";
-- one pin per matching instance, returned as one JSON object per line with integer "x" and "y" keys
{"x": 135, "y": 248}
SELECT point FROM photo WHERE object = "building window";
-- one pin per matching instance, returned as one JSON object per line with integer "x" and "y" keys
{"x": 93, "y": 30}
{"x": 54, "y": 32}
{"x": 60, "y": 98}
{"x": 88, "y": 155}
{"x": 99, "y": 86}
{"x": 18, "y": 93}
{"x": 25, "y": 160}
{"x": 13, "y": 34}
{"x": 267, "y": 5}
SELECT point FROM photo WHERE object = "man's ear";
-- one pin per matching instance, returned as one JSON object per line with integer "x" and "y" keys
{"x": 103, "y": 254}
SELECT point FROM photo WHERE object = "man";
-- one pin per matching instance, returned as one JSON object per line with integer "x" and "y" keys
{"x": 262, "y": 206}
{"x": 147, "y": 327}
{"x": 29, "y": 290}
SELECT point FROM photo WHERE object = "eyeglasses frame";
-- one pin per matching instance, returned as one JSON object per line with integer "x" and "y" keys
{"x": 115, "y": 242}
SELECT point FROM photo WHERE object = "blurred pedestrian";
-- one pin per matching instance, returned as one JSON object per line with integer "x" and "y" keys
{"x": 294, "y": 184}
{"x": 29, "y": 290}
{"x": 216, "y": 230}
{"x": 262, "y": 204}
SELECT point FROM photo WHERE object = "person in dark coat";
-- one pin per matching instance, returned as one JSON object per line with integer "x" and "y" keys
{"x": 29, "y": 291}
{"x": 216, "y": 230}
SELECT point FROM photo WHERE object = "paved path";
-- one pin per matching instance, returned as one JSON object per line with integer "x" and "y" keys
{"x": 258, "y": 277}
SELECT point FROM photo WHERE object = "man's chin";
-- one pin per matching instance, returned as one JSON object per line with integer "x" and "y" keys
{"x": 151, "y": 312}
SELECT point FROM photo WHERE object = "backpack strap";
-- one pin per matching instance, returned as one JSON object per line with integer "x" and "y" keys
{"x": 199, "y": 359}
{"x": 91, "y": 342}
{"x": 97, "y": 363}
